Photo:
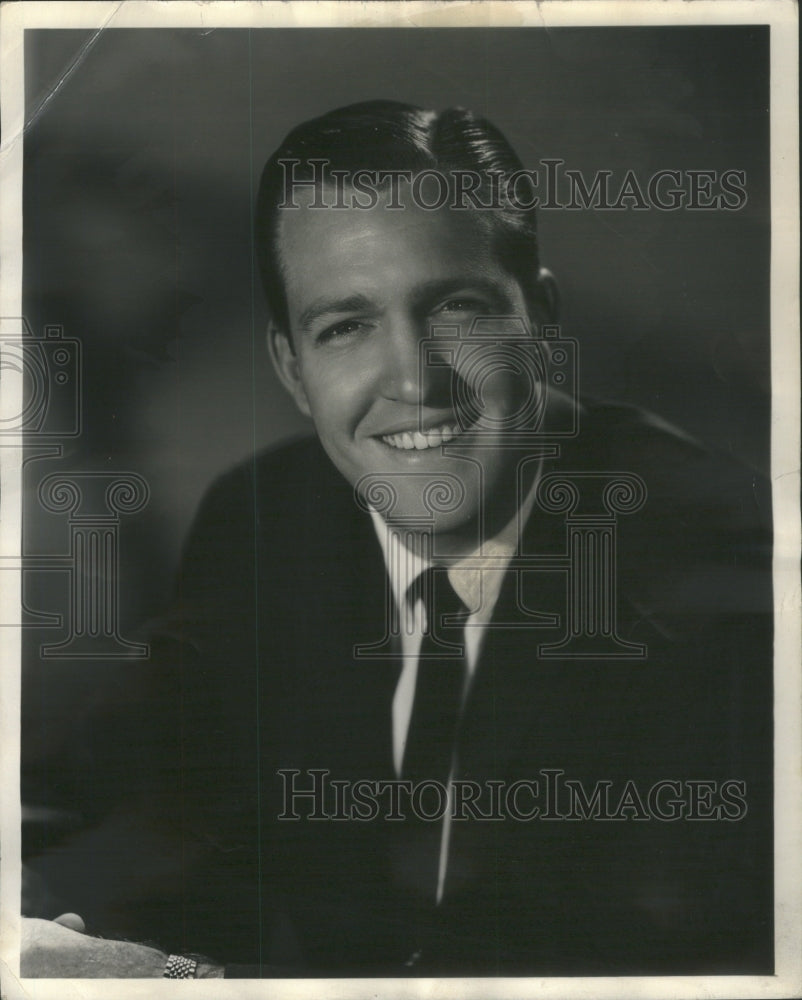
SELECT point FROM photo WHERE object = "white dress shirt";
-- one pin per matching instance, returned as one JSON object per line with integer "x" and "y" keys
{"x": 478, "y": 587}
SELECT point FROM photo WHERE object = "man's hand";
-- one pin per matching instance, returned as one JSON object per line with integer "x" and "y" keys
{"x": 52, "y": 950}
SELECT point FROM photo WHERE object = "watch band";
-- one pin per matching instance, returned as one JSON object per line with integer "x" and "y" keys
{"x": 179, "y": 967}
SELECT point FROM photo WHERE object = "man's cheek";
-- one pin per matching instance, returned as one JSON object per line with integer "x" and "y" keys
{"x": 498, "y": 399}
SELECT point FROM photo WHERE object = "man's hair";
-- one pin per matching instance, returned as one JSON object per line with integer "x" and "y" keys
{"x": 391, "y": 136}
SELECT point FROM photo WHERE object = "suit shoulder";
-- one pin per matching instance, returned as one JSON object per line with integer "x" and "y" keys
{"x": 617, "y": 431}
{"x": 697, "y": 498}
{"x": 279, "y": 495}
{"x": 275, "y": 477}
{"x": 616, "y": 437}
{"x": 287, "y": 460}
{"x": 705, "y": 526}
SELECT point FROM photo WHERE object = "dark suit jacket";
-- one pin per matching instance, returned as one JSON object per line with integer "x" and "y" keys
{"x": 282, "y": 575}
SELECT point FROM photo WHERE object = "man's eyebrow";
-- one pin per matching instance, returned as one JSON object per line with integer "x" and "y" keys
{"x": 440, "y": 287}
{"x": 322, "y": 307}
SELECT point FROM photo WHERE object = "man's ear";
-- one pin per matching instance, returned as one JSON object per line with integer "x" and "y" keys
{"x": 287, "y": 366}
{"x": 547, "y": 297}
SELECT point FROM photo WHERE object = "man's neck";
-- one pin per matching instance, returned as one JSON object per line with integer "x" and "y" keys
{"x": 501, "y": 521}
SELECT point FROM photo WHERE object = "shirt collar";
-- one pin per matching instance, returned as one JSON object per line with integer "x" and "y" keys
{"x": 476, "y": 585}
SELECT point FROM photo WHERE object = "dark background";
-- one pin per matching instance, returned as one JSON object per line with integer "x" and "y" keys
{"x": 142, "y": 151}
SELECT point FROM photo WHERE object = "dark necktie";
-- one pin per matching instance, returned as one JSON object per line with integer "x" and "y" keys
{"x": 415, "y": 844}
{"x": 440, "y": 679}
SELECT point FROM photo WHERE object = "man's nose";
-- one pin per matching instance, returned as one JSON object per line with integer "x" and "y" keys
{"x": 408, "y": 375}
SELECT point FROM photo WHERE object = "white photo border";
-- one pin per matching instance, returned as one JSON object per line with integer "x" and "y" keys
{"x": 781, "y": 16}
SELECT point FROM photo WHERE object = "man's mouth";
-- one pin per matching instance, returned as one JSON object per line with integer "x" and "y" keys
{"x": 421, "y": 440}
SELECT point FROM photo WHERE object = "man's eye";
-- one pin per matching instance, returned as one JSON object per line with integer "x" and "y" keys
{"x": 462, "y": 304}
{"x": 340, "y": 330}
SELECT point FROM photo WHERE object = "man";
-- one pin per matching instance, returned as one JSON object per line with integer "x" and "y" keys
{"x": 432, "y": 709}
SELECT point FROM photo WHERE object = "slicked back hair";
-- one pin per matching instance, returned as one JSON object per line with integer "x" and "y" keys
{"x": 391, "y": 136}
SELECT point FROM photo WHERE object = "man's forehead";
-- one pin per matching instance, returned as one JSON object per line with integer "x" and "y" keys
{"x": 312, "y": 229}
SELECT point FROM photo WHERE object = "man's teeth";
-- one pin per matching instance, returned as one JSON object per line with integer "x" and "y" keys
{"x": 409, "y": 440}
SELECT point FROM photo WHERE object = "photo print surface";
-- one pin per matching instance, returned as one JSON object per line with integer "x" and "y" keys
{"x": 397, "y": 544}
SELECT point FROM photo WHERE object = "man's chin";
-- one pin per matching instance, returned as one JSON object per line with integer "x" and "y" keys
{"x": 441, "y": 534}
{"x": 427, "y": 493}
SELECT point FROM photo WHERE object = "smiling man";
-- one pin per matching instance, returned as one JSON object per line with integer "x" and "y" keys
{"x": 356, "y": 286}
{"x": 371, "y": 291}
{"x": 436, "y": 716}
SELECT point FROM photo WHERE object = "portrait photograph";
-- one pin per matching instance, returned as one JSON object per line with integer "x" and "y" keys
{"x": 399, "y": 452}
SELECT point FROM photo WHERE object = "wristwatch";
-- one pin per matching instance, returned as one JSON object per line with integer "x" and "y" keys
{"x": 179, "y": 967}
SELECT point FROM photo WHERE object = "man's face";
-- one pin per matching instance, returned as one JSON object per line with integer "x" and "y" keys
{"x": 364, "y": 289}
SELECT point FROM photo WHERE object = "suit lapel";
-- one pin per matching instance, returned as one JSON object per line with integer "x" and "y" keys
{"x": 506, "y": 705}
{"x": 355, "y": 691}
